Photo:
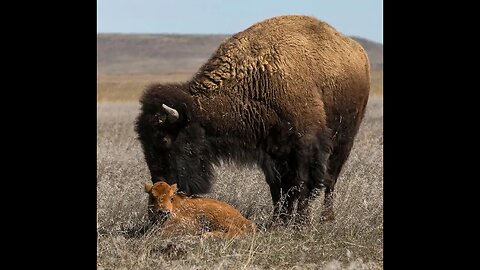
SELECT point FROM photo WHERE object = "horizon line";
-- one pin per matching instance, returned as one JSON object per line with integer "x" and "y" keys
{"x": 201, "y": 34}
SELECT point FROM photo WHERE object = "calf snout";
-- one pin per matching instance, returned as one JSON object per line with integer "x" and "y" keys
{"x": 163, "y": 214}
{"x": 158, "y": 214}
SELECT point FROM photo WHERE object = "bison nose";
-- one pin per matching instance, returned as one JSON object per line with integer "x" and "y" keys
{"x": 166, "y": 142}
{"x": 157, "y": 179}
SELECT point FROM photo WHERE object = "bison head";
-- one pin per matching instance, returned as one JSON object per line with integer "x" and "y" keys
{"x": 173, "y": 142}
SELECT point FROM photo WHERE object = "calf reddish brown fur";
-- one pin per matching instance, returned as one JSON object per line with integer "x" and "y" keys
{"x": 181, "y": 214}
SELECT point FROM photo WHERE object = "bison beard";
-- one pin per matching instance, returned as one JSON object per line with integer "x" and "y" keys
{"x": 287, "y": 94}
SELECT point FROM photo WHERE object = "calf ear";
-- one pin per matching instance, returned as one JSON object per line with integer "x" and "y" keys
{"x": 174, "y": 187}
{"x": 148, "y": 187}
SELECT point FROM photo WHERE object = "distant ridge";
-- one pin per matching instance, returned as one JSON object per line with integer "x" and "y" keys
{"x": 374, "y": 51}
{"x": 174, "y": 53}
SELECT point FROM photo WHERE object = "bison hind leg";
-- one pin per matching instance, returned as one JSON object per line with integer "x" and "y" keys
{"x": 339, "y": 156}
{"x": 296, "y": 177}
{"x": 313, "y": 160}
{"x": 319, "y": 174}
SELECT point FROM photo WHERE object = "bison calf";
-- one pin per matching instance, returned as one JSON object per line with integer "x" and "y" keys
{"x": 180, "y": 214}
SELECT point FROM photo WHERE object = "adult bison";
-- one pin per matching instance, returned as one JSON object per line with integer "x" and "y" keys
{"x": 288, "y": 93}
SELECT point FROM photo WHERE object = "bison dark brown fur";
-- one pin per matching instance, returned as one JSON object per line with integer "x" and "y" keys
{"x": 287, "y": 94}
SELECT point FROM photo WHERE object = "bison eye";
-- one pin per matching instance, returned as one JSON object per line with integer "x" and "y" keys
{"x": 160, "y": 118}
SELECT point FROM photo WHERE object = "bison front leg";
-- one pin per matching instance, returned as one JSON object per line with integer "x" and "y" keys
{"x": 287, "y": 181}
{"x": 303, "y": 207}
{"x": 276, "y": 175}
{"x": 273, "y": 178}
{"x": 292, "y": 190}
{"x": 327, "y": 213}
{"x": 289, "y": 193}
{"x": 300, "y": 193}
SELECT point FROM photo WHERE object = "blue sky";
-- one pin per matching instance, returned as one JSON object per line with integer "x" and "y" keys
{"x": 363, "y": 18}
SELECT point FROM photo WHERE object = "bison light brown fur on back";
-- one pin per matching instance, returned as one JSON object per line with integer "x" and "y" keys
{"x": 288, "y": 94}
{"x": 185, "y": 215}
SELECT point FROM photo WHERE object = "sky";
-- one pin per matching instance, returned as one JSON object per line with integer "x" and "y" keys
{"x": 361, "y": 18}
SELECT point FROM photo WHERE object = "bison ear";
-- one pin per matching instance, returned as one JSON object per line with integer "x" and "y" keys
{"x": 184, "y": 109}
{"x": 148, "y": 187}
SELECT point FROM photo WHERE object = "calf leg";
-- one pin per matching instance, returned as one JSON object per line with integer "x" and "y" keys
{"x": 223, "y": 235}
{"x": 216, "y": 234}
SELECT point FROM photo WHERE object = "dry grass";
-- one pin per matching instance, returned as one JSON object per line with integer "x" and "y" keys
{"x": 353, "y": 241}
{"x": 129, "y": 87}
{"x": 376, "y": 82}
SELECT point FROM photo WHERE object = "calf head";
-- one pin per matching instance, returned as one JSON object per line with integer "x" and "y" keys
{"x": 160, "y": 200}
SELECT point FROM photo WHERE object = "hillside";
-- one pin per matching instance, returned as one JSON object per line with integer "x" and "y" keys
{"x": 170, "y": 53}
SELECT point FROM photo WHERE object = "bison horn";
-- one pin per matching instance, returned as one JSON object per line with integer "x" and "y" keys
{"x": 172, "y": 113}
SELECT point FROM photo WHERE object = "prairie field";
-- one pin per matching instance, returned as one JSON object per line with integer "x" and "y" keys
{"x": 126, "y": 64}
{"x": 353, "y": 241}
{"x": 129, "y": 87}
